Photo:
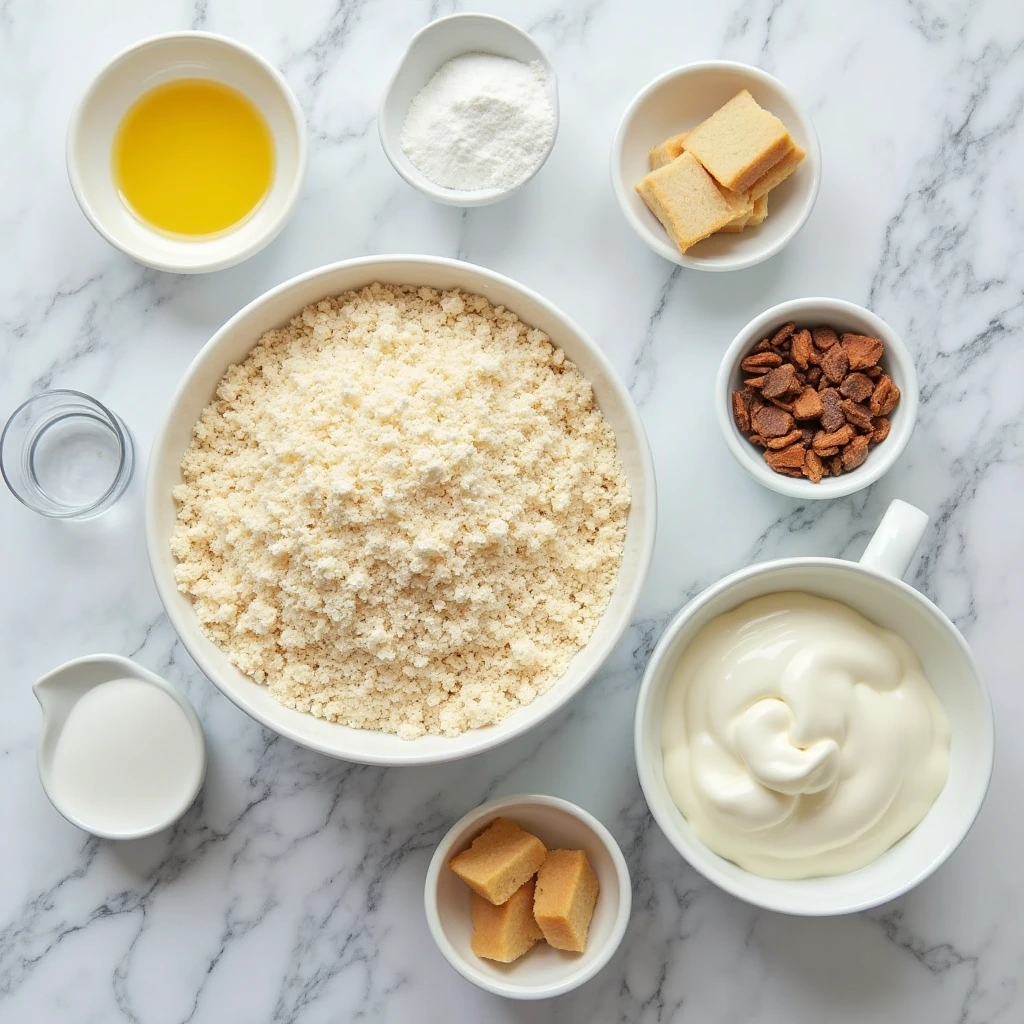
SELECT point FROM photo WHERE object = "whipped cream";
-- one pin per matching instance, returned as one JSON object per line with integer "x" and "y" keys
{"x": 800, "y": 739}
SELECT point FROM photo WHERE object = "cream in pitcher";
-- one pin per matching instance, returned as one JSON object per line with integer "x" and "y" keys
{"x": 800, "y": 739}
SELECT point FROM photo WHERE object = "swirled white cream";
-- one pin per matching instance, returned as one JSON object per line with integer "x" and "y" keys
{"x": 800, "y": 739}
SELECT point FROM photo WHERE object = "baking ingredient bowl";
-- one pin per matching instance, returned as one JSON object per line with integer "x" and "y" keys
{"x": 874, "y": 588}
{"x": 842, "y": 316}
{"x": 544, "y": 971}
{"x": 135, "y": 71}
{"x": 681, "y": 99}
{"x": 431, "y": 47}
{"x": 274, "y": 309}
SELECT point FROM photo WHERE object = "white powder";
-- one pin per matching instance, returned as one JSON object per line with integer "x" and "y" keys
{"x": 404, "y": 512}
{"x": 481, "y": 122}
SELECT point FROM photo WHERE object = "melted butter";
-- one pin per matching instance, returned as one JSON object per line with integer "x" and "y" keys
{"x": 193, "y": 157}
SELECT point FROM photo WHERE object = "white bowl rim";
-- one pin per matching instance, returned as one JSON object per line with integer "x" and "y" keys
{"x": 884, "y": 455}
{"x": 75, "y": 125}
{"x": 475, "y": 745}
{"x": 750, "y": 894}
{"x": 662, "y": 246}
{"x": 492, "y": 809}
{"x": 418, "y": 180}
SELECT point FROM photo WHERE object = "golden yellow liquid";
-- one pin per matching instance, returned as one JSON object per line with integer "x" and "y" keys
{"x": 193, "y": 157}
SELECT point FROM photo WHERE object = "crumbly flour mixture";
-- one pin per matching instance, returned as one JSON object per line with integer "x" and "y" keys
{"x": 481, "y": 122}
{"x": 403, "y": 512}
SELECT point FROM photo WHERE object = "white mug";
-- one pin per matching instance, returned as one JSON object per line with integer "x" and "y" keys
{"x": 874, "y": 587}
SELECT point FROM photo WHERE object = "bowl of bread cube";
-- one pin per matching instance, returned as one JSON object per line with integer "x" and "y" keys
{"x": 716, "y": 166}
{"x": 528, "y": 896}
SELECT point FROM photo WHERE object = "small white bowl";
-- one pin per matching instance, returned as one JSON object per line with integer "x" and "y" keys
{"x": 434, "y": 45}
{"x": 874, "y": 588}
{"x": 681, "y": 99}
{"x": 544, "y": 971}
{"x": 132, "y": 73}
{"x": 843, "y": 316}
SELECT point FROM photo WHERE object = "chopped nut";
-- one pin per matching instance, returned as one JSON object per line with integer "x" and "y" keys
{"x": 755, "y": 382}
{"x": 741, "y": 411}
{"x": 763, "y": 345}
{"x": 802, "y": 349}
{"x": 770, "y": 421}
{"x": 833, "y": 438}
{"x": 813, "y": 467}
{"x": 857, "y": 416}
{"x": 795, "y": 473}
{"x": 826, "y": 452}
{"x": 807, "y": 436}
{"x": 759, "y": 440}
{"x": 855, "y": 452}
{"x": 832, "y": 418}
{"x": 814, "y": 375}
{"x": 882, "y": 426}
{"x": 824, "y": 337}
{"x": 793, "y": 437}
{"x": 780, "y": 382}
{"x": 761, "y": 361}
{"x": 835, "y": 364}
{"x": 788, "y": 458}
{"x": 862, "y": 350}
{"x": 783, "y": 333}
{"x": 874, "y": 372}
{"x": 885, "y": 397}
{"x": 857, "y": 387}
{"x": 835, "y": 465}
{"x": 809, "y": 405}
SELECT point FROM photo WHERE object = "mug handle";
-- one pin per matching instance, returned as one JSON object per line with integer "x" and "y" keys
{"x": 896, "y": 540}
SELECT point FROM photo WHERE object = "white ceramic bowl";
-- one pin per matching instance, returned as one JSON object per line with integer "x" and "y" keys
{"x": 274, "y": 309}
{"x": 135, "y": 71}
{"x": 434, "y": 45}
{"x": 681, "y": 99}
{"x": 872, "y": 587}
{"x": 543, "y": 971}
{"x": 843, "y": 316}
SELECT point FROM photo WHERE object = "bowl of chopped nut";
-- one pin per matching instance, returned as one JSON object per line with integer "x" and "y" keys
{"x": 817, "y": 398}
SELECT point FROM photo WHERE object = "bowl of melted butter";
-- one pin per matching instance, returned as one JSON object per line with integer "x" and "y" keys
{"x": 187, "y": 152}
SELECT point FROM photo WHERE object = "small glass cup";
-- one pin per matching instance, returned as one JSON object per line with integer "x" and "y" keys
{"x": 64, "y": 455}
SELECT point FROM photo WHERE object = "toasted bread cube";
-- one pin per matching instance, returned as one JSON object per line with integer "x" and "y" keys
{"x": 505, "y": 932}
{"x": 759, "y": 213}
{"x": 778, "y": 174}
{"x": 690, "y": 206}
{"x": 499, "y": 860}
{"x": 567, "y": 889}
{"x": 667, "y": 151}
{"x": 739, "y": 142}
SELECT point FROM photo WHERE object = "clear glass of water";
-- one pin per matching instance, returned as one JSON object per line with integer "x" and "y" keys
{"x": 66, "y": 456}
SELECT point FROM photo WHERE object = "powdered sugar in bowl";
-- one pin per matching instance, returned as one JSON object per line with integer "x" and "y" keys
{"x": 450, "y": 159}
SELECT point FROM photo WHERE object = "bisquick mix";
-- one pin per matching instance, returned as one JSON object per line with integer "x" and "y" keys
{"x": 403, "y": 512}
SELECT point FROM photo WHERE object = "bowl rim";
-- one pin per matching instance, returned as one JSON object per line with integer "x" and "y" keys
{"x": 76, "y": 124}
{"x": 661, "y": 246}
{"x": 490, "y": 810}
{"x": 392, "y": 147}
{"x": 884, "y": 455}
{"x": 654, "y": 678}
{"x": 187, "y": 631}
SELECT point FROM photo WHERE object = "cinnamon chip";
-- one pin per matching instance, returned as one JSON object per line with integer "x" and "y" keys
{"x": 809, "y": 405}
{"x": 788, "y": 458}
{"x": 824, "y": 337}
{"x": 835, "y": 364}
{"x": 761, "y": 361}
{"x": 816, "y": 401}
{"x": 741, "y": 411}
{"x": 862, "y": 350}
{"x": 770, "y": 421}
{"x": 857, "y": 416}
{"x": 857, "y": 387}
{"x": 801, "y": 349}
{"x": 885, "y": 397}
{"x": 855, "y": 452}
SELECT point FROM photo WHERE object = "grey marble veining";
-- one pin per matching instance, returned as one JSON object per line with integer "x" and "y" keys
{"x": 291, "y": 891}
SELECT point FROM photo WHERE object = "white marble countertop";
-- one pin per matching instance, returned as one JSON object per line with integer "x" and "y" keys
{"x": 292, "y": 890}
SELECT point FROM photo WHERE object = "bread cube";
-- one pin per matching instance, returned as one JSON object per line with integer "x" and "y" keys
{"x": 739, "y": 142}
{"x": 504, "y": 933}
{"x": 667, "y": 151}
{"x": 777, "y": 174}
{"x": 567, "y": 889}
{"x": 499, "y": 860}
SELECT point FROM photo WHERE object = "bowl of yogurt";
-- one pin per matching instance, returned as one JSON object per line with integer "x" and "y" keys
{"x": 812, "y": 734}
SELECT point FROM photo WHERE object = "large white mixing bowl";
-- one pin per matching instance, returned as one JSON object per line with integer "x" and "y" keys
{"x": 274, "y": 309}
